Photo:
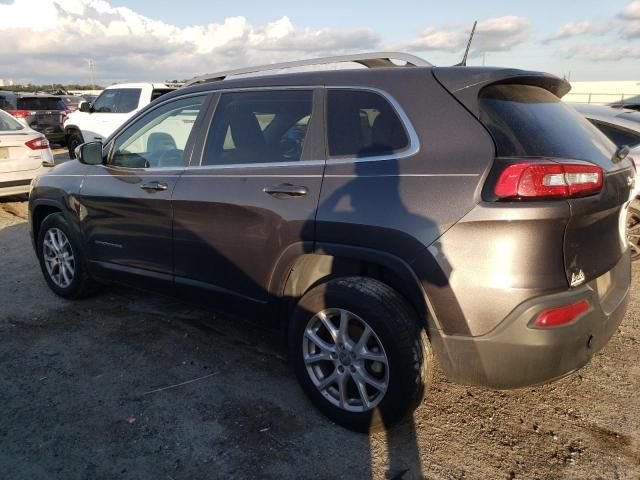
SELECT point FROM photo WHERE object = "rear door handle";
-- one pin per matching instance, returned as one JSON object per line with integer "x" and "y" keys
{"x": 154, "y": 186}
{"x": 286, "y": 190}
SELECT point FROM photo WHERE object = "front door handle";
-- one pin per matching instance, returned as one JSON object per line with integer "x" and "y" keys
{"x": 286, "y": 190}
{"x": 154, "y": 186}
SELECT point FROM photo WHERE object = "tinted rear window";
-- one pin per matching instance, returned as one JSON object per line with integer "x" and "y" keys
{"x": 40, "y": 103}
{"x": 528, "y": 121}
{"x": 363, "y": 124}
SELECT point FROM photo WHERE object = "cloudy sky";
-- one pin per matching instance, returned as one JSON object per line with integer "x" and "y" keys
{"x": 53, "y": 40}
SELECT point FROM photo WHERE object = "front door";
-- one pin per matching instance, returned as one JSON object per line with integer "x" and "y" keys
{"x": 126, "y": 203}
{"x": 252, "y": 201}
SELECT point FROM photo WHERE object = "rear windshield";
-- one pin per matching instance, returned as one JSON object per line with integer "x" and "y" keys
{"x": 528, "y": 121}
{"x": 8, "y": 123}
{"x": 40, "y": 103}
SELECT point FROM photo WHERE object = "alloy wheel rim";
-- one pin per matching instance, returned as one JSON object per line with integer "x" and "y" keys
{"x": 58, "y": 257}
{"x": 345, "y": 360}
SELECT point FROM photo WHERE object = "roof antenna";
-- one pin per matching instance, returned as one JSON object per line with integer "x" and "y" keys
{"x": 463, "y": 63}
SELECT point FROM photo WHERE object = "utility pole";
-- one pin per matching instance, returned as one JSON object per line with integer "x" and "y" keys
{"x": 92, "y": 71}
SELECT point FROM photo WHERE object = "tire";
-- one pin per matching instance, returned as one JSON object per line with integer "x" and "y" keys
{"x": 633, "y": 229}
{"x": 69, "y": 285}
{"x": 397, "y": 336}
{"x": 73, "y": 141}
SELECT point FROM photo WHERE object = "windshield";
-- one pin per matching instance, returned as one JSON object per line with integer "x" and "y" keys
{"x": 8, "y": 123}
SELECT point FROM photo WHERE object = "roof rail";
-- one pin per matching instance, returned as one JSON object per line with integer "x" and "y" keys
{"x": 369, "y": 60}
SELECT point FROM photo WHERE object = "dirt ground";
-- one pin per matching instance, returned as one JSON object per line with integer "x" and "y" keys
{"x": 83, "y": 395}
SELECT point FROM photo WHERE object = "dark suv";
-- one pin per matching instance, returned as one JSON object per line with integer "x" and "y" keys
{"x": 42, "y": 112}
{"x": 374, "y": 214}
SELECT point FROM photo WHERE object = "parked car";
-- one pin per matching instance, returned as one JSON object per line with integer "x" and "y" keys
{"x": 41, "y": 112}
{"x": 631, "y": 103}
{"x": 114, "y": 106}
{"x": 72, "y": 102}
{"x": 24, "y": 154}
{"x": 622, "y": 126}
{"x": 88, "y": 98}
{"x": 371, "y": 214}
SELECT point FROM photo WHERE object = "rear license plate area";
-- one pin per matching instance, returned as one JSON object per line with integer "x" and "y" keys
{"x": 4, "y": 153}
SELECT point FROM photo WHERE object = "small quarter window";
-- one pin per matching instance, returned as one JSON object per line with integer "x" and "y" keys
{"x": 363, "y": 124}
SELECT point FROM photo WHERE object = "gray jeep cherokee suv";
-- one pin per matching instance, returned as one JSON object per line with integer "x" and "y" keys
{"x": 377, "y": 215}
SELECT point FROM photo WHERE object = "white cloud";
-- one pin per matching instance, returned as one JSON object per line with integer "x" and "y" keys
{"x": 53, "y": 39}
{"x": 494, "y": 34}
{"x": 597, "y": 53}
{"x": 631, "y": 11}
{"x": 574, "y": 29}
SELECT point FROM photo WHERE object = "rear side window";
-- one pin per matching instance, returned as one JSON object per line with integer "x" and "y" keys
{"x": 619, "y": 136}
{"x": 117, "y": 100}
{"x": 259, "y": 127}
{"x": 40, "y": 103}
{"x": 529, "y": 121}
{"x": 8, "y": 123}
{"x": 363, "y": 124}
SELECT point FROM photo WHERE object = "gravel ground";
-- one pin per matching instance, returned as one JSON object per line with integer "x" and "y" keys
{"x": 83, "y": 390}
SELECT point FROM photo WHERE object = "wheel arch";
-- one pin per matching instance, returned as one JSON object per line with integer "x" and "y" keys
{"x": 41, "y": 211}
{"x": 329, "y": 261}
{"x": 42, "y": 208}
{"x": 70, "y": 130}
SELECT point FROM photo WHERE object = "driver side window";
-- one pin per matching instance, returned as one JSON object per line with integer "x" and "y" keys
{"x": 159, "y": 138}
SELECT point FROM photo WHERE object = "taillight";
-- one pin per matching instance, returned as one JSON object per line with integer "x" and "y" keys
{"x": 548, "y": 180}
{"x": 558, "y": 316}
{"x": 39, "y": 143}
{"x": 19, "y": 113}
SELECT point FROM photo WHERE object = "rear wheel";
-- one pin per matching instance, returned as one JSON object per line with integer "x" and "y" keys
{"x": 359, "y": 353}
{"x": 74, "y": 140}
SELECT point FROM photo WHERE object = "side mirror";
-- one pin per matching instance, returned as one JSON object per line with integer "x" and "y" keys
{"x": 89, "y": 153}
{"x": 85, "y": 107}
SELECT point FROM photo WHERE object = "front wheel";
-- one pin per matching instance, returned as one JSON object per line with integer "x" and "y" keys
{"x": 62, "y": 258}
{"x": 74, "y": 140}
{"x": 359, "y": 353}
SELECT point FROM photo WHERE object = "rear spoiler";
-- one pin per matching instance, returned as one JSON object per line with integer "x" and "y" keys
{"x": 465, "y": 83}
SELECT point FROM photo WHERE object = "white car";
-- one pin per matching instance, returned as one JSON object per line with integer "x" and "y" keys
{"x": 24, "y": 154}
{"x": 622, "y": 126}
{"x": 115, "y": 105}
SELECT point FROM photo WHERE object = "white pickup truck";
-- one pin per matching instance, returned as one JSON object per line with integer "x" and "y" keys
{"x": 115, "y": 105}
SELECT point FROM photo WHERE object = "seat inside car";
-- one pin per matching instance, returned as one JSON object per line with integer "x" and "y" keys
{"x": 158, "y": 146}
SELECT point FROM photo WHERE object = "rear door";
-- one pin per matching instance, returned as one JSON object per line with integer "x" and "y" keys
{"x": 251, "y": 202}
{"x": 529, "y": 121}
{"x": 46, "y": 113}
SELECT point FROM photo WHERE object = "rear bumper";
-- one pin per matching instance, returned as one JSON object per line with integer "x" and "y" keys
{"x": 514, "y": 355}
{"x": 53, "y": 133}
{"x": 16, "y": 183}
